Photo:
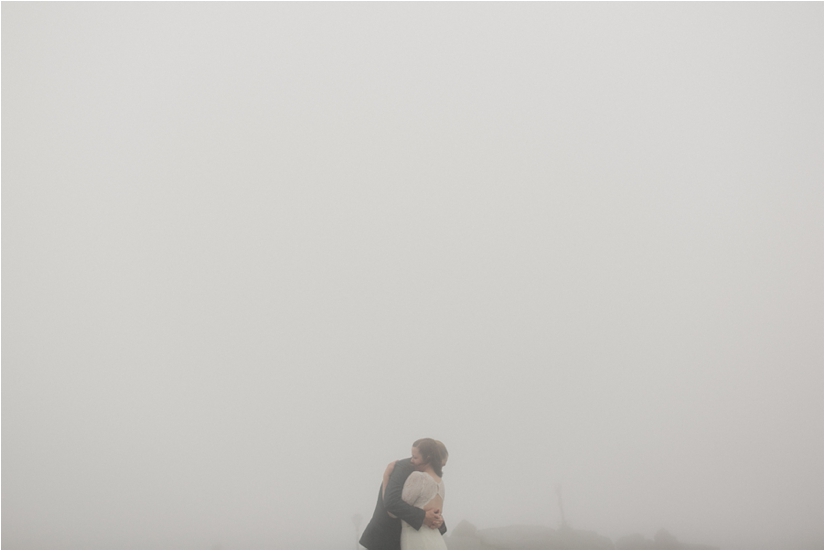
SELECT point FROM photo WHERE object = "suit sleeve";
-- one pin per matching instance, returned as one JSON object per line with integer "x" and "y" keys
{"x": 392, "y": 496}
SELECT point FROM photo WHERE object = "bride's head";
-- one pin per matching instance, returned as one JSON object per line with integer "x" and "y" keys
{"x": 427, "y": 451}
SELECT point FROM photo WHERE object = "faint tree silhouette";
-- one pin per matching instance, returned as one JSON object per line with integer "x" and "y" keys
{"x": 561, "y": 506}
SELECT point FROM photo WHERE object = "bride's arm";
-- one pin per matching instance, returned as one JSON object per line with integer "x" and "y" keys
{"x": 386, "y": 481}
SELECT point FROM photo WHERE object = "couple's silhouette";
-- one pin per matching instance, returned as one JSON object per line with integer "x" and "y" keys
{"x": 408, "y": 512}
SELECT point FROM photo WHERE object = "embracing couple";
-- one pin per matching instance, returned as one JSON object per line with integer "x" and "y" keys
{"x": 408, "y": 512}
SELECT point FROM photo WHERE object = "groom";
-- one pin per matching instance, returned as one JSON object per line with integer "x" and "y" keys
{"x": 384, "y": 531}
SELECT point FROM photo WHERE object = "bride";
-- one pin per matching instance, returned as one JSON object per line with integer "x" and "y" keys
{"x": 424, "y": 489}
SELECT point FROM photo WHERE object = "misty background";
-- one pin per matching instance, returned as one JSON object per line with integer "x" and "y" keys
{"x": 252, "y": 251}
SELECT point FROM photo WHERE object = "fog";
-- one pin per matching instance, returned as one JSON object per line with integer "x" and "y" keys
{"x": 252, "y": 251}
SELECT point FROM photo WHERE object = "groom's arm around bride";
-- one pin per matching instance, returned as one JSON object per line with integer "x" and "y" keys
{"x": 413, "y": 516}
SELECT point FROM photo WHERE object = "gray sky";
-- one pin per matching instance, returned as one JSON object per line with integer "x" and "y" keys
{"x": 252, "y": 251}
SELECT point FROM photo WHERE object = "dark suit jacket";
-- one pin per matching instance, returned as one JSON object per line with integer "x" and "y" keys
{"x": 383, "y": 531}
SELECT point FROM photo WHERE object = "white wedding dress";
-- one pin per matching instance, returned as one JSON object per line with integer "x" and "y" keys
{"x": 419, "y": 489}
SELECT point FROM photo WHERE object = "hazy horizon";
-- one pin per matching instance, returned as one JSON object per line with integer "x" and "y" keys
{"x": 252, "y": 251}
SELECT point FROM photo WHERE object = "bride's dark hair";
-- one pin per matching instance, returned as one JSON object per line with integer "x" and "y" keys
{"x": 432, "y": 452}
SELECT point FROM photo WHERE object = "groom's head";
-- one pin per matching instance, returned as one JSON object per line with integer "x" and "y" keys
{"x": 417, "y": 459}
{"x": 427, "y": 451}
